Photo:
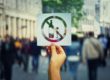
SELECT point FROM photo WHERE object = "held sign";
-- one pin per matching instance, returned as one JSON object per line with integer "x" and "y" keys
{"x": 54, "y": 28}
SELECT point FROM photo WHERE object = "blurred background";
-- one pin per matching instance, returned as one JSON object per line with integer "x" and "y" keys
{"x": 26, "y": 60}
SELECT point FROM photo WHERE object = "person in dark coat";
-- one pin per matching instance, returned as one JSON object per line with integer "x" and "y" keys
{"x": 26, "y": 53}
{"x": 108, "y": 45}
{"x": 1, "y": 67}
{"x": 7, "y": 57}
{"x": 36, "y": 51}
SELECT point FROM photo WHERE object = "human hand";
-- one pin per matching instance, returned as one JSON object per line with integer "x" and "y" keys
{"x": 58, "y": 56}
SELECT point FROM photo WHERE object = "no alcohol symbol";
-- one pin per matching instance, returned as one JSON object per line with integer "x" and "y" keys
{"x": 54, "y": 28}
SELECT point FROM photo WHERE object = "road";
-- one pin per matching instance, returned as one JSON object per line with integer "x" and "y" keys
{"x": 19, "y": 74}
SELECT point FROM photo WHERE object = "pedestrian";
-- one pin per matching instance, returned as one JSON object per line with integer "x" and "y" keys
{"x": 18, "y": 47}
{"x": 35, "y": 51}
{"x": 92, "y": 51}
{"x": 7, "y": 55}
{"x": 1, "y": 67}
{"x": 108, "y": 45}
{"x": 26, "y": 53}
{"x": 103, "y": 40}
{"x": 73, "y": 56}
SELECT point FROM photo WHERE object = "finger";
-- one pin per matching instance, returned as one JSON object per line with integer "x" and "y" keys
{"x": 60, "y": 49}
{"x": 48, "y": 50}
{"x": 53, "y": 49}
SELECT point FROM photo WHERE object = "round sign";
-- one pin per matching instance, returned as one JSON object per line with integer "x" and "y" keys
{"x": 54, "y": 28}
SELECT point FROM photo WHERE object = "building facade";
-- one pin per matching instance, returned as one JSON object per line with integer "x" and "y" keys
{"x": 90, "y": 22}
{"x": 105, "y": 16}
{"x": 96, "y": 16}
{"x": 19, "y": 17}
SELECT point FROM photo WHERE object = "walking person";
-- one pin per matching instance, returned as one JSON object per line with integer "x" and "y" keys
{"x": 73, "y": 56}
{"x": 26, "y": 53}
{"x": 103, "y": 40}
{"x": 108, "y": 45}
{"x": 18, "y": 47}
{"x": 7, "y": 57}
{"x": 1, "y": 67}
{"x": 35, "y": 51}
{"x": 92, "y": 50}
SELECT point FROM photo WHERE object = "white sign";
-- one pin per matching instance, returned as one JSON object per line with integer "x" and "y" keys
{"x": 54, "y": 28}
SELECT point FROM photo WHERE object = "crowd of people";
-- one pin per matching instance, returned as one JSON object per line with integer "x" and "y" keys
{"x": 90, "y": 50}
{"x": 17, "y": 51}
{"x": 87, "y": 50}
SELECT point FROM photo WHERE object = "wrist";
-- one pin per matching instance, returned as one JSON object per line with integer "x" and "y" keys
{"x": 53, "y": 66}
{"x": 54, "y": 73}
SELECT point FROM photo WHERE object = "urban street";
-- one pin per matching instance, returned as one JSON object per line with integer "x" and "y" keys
{"x": 19, "y": 74}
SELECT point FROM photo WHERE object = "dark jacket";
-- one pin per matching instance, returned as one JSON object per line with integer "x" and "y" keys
{"x": 35, "y": 50}
{"x": 7, "y": 53}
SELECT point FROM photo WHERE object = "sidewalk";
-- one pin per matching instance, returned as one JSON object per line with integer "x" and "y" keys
{"x": 103, "y": 73}
{"x": 19, "y": 74}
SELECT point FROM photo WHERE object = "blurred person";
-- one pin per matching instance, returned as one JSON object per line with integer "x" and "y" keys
{"x": 92, "y": 50}
{"x": 18, "y": 46}
{"x": 7, "y": 55}
{"x": 35, "y": 51}
{"x": 108, "y": 44}
{"x": 1, "y": 67}
{"x": 103, "y": 40}
{"x": 81, "y": 40}
{"x": 73, "y": 57}
{"x": 0, "y": 42}
{"x": 57, "y": 59}
{"x": 26, "y": 53}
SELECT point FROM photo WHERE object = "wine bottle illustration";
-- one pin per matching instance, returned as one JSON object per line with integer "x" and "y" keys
{"x": 51, "y": 29}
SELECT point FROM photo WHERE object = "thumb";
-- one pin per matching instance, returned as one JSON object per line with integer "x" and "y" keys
{"x": 53, "y": 49}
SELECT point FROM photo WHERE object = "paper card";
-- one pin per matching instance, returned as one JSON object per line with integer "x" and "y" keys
{"x": 54, "y": 28}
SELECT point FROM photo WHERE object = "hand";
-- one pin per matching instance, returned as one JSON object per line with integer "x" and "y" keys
{"x": 58, "y": 56}
{"x": 57, "y": 59}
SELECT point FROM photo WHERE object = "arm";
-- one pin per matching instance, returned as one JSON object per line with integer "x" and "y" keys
{"x": 54, "y": 73}
{"x": 57, "y": 59}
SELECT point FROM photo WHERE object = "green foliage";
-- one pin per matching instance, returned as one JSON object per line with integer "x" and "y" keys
{"x": 67, "y": 6}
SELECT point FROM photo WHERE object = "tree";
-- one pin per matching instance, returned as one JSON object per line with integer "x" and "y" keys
{"x": 67, "y": 6}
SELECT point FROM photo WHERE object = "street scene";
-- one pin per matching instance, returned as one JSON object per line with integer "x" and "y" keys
{"x": 19, "y": 74}
{"x": 54, "y": 40}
